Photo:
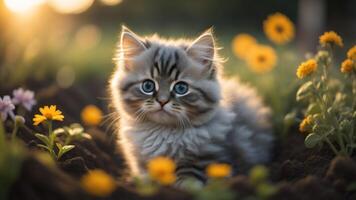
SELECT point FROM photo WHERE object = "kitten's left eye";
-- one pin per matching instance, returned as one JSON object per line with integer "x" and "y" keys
{"x": 180, "y": 88}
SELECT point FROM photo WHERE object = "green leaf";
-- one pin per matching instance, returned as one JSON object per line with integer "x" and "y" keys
{"x": 59, "y": 131}
{"x": 64, "y": 150}
{"x": 59, "y": 146}
{"x": 304, "y": 91}
{"x": 43, "y": 138}
{"x": 313, "y": 108}
{"x": 312, "y": 140}
{"x": 45, "y": 147}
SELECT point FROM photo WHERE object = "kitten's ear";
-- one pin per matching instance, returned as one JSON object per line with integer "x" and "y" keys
{"x": 203, "y": 48}
{"x": 130, "y": 43}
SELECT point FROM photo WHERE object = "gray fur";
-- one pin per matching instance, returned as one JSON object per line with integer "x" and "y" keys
{"x": 218, "y": 120}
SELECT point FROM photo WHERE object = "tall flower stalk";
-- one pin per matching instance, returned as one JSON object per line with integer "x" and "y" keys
{"x": 331, "y": 100}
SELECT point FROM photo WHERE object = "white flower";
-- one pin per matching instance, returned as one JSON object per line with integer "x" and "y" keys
{"x": 24, "y": 97}
{"x": 6, "y": 107}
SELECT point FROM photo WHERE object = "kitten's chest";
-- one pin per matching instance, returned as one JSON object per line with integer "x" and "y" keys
{"x": 175, "y": 143}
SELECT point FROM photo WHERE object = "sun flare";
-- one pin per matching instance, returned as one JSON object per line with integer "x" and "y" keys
{"x": 21, "y": 6}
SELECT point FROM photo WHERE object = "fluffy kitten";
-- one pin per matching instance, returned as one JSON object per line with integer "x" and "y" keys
{"x": 172, "y": 101}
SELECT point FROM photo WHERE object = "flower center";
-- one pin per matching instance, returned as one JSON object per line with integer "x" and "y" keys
{"x": 48, "y": 115}
{"x": 279, "y": 28}
{"x": 261, "y": 58}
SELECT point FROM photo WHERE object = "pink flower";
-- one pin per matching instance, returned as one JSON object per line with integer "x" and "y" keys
{"x": 6, "y": 107}
{"x": 24, "y": 97}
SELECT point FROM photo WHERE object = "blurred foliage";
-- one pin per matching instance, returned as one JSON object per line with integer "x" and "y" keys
{"x": 11, "y": 157}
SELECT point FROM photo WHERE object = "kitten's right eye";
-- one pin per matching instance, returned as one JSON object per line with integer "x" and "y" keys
{"x": 148, "y": 86}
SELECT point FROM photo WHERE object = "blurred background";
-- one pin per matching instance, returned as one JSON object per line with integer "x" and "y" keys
{"x": 65, "y": 44}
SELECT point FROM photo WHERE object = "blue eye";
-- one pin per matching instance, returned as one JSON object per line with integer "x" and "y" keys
{"x": 180, "y": 88}
{"x": 148, "y": 86}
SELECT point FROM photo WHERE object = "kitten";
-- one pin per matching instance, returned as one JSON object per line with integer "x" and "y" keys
{"x": 172, "y": 101}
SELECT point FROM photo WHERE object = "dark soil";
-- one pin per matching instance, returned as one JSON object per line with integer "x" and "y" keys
{"x": 299, "y": 173}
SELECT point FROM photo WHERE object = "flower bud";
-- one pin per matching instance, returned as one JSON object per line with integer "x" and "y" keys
{"x": 19, "y": 120}
{"x": 258, "y": 174}
{"x": 322, "y": 56}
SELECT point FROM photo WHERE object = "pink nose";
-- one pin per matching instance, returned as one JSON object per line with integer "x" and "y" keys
{"x": 162, "y": 102}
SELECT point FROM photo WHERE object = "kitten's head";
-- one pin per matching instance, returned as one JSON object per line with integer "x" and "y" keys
{"x": 173, "y": 83}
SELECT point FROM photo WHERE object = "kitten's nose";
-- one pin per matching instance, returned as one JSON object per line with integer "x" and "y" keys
{"x": 162, "y": 102}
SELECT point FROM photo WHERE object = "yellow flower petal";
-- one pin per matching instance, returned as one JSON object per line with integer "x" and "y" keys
{"x": 331, "y": 38}
{"x": 347, "y": 66}
{"x": 306, "y": 68}
{"x": 261, "y": 58}
{"x": 91, "y": 115}
{"x": 162, "y": 170}
{"x": 351, "y": 53}
{"x": 98, "y": 183}
{"x": 218, "y": 170}
{"x": 48, "y": 113}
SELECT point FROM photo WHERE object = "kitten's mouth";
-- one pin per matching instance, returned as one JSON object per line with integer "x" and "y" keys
{"x": 162, "y": 111}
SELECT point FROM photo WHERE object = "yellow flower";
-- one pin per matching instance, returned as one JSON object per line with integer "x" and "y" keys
{"x": 351, "y": 53}
{"x": 347, "y": 66}
{"x": 306, "y": 68}
{"x": 91, "y": 115}
{"x": 218, "y": 170}
{"x": 279, "y": 28}
{"x": 98, "y": 183}
{"x": 261, "y": 58}
{"x": 48, "y": 113}
{"x": 304, "y": 126}
{"x": 162, "y": 170}
{"x": 330, "y": 38}
{"x": 242, "y": 43}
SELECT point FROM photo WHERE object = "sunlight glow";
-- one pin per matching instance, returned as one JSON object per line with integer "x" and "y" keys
{"x": 71, "y": 6}
{"x": 111, "y": 2}
{"x": 22, "y": 6}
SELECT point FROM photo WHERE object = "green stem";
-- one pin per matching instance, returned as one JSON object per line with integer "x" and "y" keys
{"x": 14, "y": 131}
{"x": 51, "y": 139}
{"x": 331, "y": 146}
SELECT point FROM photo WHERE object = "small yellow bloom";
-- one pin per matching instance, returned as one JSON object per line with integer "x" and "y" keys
{"x": 347, "y": 66}
{"x": 48, "y": 113}
{"x": 91, "y": 115}
{"x": 279, "y": 28}
{"x": 162, "y": 170}
{"x": 331, "y": 37}
{"x": 306, "y": 68}
{"x": 305, "y": 124}
{"x": 351, "y": 53}
{"x": 242, "y": 43}
{"x": 261, "y": 58}
{"x": 218, "y": 170}
{"x": 98, "y": 183}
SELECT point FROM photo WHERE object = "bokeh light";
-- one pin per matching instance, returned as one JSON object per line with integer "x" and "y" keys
{"x": 88, "y": 36}
{"x": 65, "y": 77}
{"x": 71, "y": 6}
{"x": 22, "y": 6}
{"x": 111, "y": 2}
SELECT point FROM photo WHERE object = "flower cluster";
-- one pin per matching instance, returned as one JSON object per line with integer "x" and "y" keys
{"x": 263, "y": 58}
{"x": 330, "y": 115}
{"x": 22, "y": 98}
